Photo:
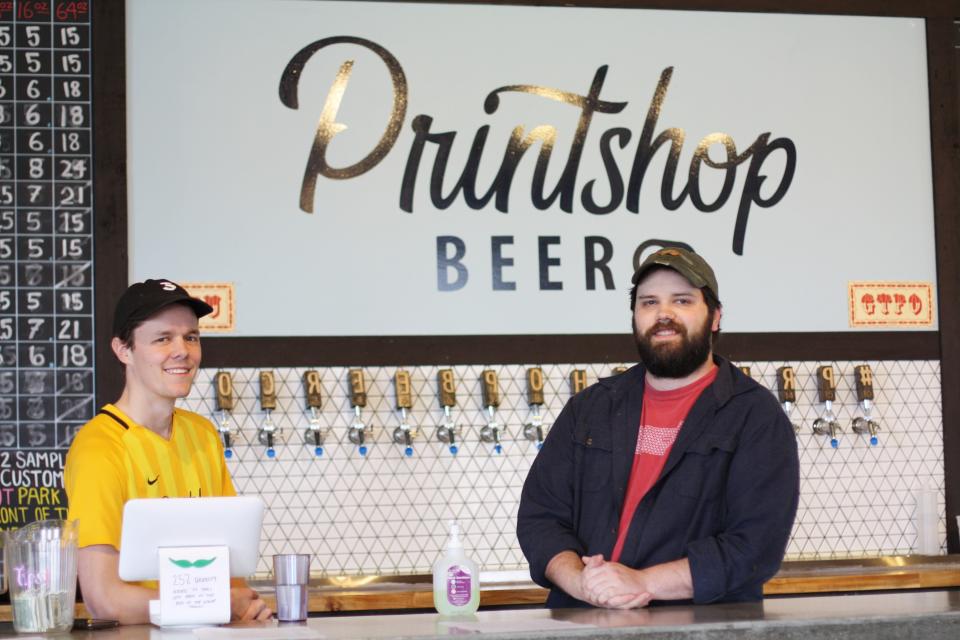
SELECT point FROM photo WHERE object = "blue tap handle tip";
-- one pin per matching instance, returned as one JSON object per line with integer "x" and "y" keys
{"x": 362, "y": 450}
{"x": 228, "y": 453}
{"x": 318, "y": 451}
{"x": 408, "y": 451}
{"x": 834, "y": 443}
{"x": 497, "y": 448}
{"x": 271, "y": 453}
{"x": 453, "y": 450}
{"x": 539, "y": 446}
{"x": 874, "y": 441}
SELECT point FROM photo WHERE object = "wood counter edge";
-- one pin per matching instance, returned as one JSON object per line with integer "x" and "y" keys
{"x": 422, "y": 598}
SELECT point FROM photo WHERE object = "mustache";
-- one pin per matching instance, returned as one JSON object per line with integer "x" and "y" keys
{"x": 666, "y": 324}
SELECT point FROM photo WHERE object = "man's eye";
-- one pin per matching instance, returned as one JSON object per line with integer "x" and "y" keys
{"x": 193, "y": 338}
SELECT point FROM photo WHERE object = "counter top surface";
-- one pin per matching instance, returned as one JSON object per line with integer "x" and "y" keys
{"x": 932, "y": 614}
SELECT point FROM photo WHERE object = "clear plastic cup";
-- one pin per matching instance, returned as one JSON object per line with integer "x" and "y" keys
{"x": 40, "y": 564}
{"x": 291, "y": 575}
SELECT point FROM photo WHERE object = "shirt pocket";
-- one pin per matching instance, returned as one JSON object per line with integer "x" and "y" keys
{"x": 595, "y": 453}
{"x": 702, "y": 472}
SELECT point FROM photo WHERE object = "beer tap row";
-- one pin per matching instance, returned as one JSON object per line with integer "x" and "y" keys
{"x": 405, "y": 434}
{"x": 827, "y": 424}
{"x": 360, "y": 431}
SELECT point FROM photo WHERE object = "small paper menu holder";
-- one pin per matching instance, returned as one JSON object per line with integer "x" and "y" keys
{"x": 194, "y": 586}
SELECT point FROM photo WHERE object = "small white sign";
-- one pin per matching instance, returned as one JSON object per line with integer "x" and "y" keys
{"x": 194, "y": 585}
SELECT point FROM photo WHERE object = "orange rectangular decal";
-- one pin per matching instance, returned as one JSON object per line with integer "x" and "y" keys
{"x": 218, "y": 295}
{"x": 891, "y": 304}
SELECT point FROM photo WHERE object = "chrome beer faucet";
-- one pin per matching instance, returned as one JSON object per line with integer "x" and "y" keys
{"x": 314, "y": 434}
{"x": 491, "y": 400}
{"x": 827, "y": 390}
{"x": 448, "y": 432}
{"x": 223, "y": 383}
{"x": 403, "y": 434}
{"x": 863, "y": 377}
{"x": 268, "y": 403}
{"x": 533, "y": 429}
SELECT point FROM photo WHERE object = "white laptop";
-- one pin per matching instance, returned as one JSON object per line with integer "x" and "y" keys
{"x": 152, "y": 523}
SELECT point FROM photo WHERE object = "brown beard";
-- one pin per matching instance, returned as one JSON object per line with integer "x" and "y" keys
{"x": 674, "y": 361}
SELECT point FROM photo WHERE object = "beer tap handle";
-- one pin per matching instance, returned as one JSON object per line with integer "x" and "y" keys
{"x": 787, "y": 392}
{"x": 533, "y": 430}
{"x": 268, "y": 403}
{"x": 827, "y": 393}
{"x": 863, "y": 378}
{"x": 313, "y": 392}
{"x": 490, "y": 388}
{"x": 358, "y": 400}
{"x": 402, "y": 388}
{"x": 578, "y": 381}
{"x": 223, "y": 384}
{"x": 447, "y": 432}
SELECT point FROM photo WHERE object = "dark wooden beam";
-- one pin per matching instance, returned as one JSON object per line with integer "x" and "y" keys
{"x": 109, "y": 187}
{"x": 943, "y": 62}
{"x": 539, "y": 349}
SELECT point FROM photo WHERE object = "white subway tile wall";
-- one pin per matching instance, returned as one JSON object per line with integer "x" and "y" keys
{"x": 387, "y": 514}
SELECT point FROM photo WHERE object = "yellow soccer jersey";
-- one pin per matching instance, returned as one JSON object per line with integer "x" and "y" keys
{"x": 113, "y": 459}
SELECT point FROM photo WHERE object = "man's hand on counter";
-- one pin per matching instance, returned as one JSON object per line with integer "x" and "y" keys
{"x": 615, "y": 586}
{"x": 245, "y": 603}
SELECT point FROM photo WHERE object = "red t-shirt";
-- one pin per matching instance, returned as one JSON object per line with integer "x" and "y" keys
{"x": 662, "y": 416}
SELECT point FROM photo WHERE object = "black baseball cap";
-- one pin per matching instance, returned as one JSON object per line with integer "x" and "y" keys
{"x": 143, "y": 299}
{"x": 687, "y": 263}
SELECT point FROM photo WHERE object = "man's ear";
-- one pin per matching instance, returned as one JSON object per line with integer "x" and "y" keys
{"x": 121, "y": 350}
{"x": 715, "y": 326}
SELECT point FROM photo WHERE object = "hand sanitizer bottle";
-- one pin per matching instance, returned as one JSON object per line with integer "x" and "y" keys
{"x": 456, "y": 579}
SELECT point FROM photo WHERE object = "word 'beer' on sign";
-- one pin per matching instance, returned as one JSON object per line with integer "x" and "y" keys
{"x": 891, "y": 304}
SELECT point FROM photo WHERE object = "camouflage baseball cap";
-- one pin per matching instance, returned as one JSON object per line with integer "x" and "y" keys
{"x": 687, "y": 263}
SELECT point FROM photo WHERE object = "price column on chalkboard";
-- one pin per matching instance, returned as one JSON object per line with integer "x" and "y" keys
{"x": 46, "y": 246}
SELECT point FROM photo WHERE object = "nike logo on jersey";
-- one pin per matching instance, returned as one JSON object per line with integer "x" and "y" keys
{"x": 154, "y": 481}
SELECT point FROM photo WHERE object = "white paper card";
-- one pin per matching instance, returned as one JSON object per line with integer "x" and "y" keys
{"x": 194, "y": 585}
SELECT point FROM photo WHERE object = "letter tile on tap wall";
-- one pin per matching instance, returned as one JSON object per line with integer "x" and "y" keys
{"x": 386, "y": 512}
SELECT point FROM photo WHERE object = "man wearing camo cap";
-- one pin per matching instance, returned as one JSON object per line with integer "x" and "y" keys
{"x": 675, "y": 480}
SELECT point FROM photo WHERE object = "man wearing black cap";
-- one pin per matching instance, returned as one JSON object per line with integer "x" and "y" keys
{"x": 675, "y": 480}
{"x": 142, "y": 446}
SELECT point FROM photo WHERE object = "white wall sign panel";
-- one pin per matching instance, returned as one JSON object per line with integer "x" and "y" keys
{"x": 410, "y": 169}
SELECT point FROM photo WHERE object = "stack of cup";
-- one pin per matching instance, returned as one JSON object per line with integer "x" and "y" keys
{"x": 291, "y": 576}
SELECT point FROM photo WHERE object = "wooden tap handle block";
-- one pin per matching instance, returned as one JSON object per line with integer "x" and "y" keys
{"x": 578, "y": 381}
{"x": 618, "y": 370}
{"x": 448, "y": 388}
{"x": 313, "y": 389}
{"x": 535, "y": 385}
{"x": 746, "y": 371}
{"x": 268, "y": 391}
{"x": 863, "y": 376}
{"x": 223, "y": 383}
{"x": 401, "y": 384}
{"x": 358, "y": 388}
{"x": 786, "y": 384}
{"x": 826, "y": 384}
{"x": 490, "y": 388}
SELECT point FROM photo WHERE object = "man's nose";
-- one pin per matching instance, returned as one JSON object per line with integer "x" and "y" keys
{"x": 180, "y": 348}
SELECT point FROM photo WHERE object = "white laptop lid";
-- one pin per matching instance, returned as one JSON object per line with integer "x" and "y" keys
{"x": 151, "y": 523}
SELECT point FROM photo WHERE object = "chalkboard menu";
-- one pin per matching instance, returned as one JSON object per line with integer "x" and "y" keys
{"x": 46, "y": 250}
